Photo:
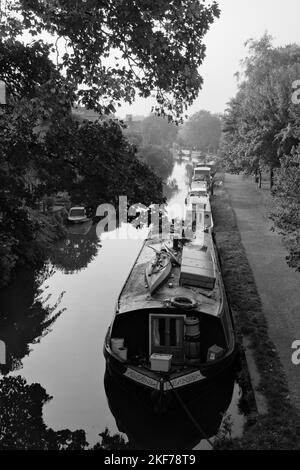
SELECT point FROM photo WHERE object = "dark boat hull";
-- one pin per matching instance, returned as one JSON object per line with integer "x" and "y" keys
{"x": 148, "y": 430}
{"x": 164, "y": 400}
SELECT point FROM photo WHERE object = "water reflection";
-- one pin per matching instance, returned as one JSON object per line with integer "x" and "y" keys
{"x": 22, "y": 425}
{"x": 26, "y": 315}
{"x": 147, "y": 430}
{"x": 68, "y": 363}
{"x": 77, "y": 250}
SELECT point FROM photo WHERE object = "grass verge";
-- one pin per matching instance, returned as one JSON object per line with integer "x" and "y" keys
{"x": 280, "y": 427}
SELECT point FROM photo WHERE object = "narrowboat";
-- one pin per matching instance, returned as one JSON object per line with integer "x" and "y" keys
{"x": 173, "y": 333}
{"x": 200, "y": 187}
{"x": 202, "y": 173}
{"x": 77, "y": 215}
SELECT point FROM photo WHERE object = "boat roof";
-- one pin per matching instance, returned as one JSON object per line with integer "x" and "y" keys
{"x": 201, "y": 202}
{"x": 198, "y": 185}
{"x": 202, "y": 167}
{"x": 136, "y": 296}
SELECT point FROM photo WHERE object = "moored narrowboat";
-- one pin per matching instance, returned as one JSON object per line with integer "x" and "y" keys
{"x": 178, "y": 336}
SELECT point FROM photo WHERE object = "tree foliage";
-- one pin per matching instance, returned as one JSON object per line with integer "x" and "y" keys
{"x": 153, "y": 137}
{"x": 286, "y": 209}
{"x": 258, "y": 121}
{"x": 104, "y": 53}
{"x": 157, "y": 131}
{"x": 159, "y": 158}
{"x": 202, "y": 131}
{"x": 119, "y": 49}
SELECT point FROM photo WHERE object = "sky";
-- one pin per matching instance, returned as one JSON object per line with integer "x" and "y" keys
{"x": 239, "y": 21}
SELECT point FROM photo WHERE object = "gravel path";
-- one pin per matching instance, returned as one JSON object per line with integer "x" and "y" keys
{"x": 277, "y": 284}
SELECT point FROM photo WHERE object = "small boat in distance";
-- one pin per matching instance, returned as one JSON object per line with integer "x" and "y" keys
{"x": 77, "y": 215}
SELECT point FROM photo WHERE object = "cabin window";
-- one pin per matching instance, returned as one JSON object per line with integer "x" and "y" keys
{"x": 166, "y": 335}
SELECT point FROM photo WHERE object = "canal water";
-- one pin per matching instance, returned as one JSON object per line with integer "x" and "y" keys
{"x": 55, "y": 323}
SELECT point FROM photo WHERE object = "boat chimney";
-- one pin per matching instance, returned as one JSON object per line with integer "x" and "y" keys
{"x": 176, "y": 243}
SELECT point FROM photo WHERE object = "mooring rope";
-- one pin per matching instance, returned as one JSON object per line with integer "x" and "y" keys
{"x": 190, "y": 415}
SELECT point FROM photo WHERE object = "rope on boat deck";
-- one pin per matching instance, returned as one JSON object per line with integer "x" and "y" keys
{"x": 190, "y": 415}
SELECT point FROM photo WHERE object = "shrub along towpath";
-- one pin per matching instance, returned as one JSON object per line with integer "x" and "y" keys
{"x": 265, "y": 297}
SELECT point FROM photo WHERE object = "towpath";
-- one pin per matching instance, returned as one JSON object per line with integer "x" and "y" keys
{"x": 277, "y": 284}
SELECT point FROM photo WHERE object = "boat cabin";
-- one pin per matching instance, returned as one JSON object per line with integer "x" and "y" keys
{"x": 202, "y": 173}
{"x": 181, "y": 323}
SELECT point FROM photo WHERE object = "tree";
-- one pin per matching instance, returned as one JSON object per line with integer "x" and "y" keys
{"x": 257, "y": 124}
{"x": 157, "y": 131}
{"x": 202, "y": 131}
{"x": 286, "y": 208}
{"x": 158, "y": 158}
{"x": 157, "y": 47}
{"x": 262, "y": 129}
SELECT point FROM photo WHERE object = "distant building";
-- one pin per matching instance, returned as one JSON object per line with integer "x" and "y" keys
{"x": 134, "y": 130}
{"x": 83, "y": 113}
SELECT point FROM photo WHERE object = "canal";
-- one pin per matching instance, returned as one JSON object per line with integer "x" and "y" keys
{"x": 54, "y": 324}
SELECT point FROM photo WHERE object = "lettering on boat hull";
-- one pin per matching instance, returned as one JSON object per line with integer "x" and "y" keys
{"x": 184, "y": 380}
{"x": 142, "y": 379}
{"x": 155, "y": 384}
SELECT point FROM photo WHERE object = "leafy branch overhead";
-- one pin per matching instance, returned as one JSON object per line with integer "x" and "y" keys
{"x": 116, "y": 50}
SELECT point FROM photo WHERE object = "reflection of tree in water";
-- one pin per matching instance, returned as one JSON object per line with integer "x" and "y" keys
{"x": 25, "y": 317}
{"x": 22, "y": 426}
{"x": 76, "y": 250}
{"x": 189, "y": 172}
{"x": 171, "y": 188}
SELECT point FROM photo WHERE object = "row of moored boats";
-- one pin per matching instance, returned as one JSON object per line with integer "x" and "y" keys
{"x": 172, "y": 331}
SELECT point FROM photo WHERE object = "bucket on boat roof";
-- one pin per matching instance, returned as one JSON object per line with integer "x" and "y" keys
{"x": 192, "y": 349}
{"x": 192, "y": 326}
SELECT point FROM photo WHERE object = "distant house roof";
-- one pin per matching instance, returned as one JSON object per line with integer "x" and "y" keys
{"x": 88, "y": 114}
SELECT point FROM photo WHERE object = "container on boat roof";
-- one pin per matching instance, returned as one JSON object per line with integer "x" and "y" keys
{"x": 161, "y": 362}
{"x": 192, "y": 349}
{"x": 197, "y": 268}
{"x": 214, "y": 352}
{"x": 192, "y": 326}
